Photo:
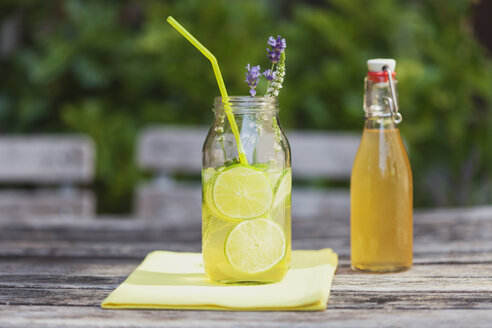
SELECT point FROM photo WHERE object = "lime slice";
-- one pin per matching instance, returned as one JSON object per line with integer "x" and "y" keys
{"x": 255, "y": 246}
{"x": 208, "y": 178}
{"x": 274, "y": 175}
{"x": 207, "y": 174}
{"x": 261, "y": 166}
{"x": 283, "y": 188}
{"x": 242, "y": 192}
{"x": 209, "y": 200}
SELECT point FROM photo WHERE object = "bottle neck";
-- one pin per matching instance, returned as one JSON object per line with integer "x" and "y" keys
{"x": 382, "y": 123}
{"x": 378, "y": 99}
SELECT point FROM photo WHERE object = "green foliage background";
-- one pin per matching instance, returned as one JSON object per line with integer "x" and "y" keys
{"x": 109, "y": 68}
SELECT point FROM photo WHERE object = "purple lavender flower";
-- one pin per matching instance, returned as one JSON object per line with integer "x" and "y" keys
{"x": 278, "y": 46}
{"x": 252, "y": 78}
{"x": 269, "y": 74}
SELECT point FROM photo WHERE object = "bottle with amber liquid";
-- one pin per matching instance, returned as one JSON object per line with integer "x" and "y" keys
{"x": 381, "y": 227}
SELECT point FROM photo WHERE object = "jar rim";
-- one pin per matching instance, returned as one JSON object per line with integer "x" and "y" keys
{"x": 247, "y": 104}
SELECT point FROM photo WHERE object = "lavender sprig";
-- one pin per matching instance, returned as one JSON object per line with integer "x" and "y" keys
{"x": 275, "y": 75}
{"x": 252, "y": 78}
{"x": 269, "y": 75}
{"x": 278, "y": 46}
{"x": 275, "y": 86}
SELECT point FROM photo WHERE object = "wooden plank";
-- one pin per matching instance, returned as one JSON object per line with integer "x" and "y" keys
{"x": 462, "y": 238}
{"x": 138, "y": 249}
{"x": 84, "y": 295}
{"x": 179, "y": 202}
{"x": 102, "y": 267}
{"x": 46, "y": 159}
{"x": 43, "y": 203}
{"x": 63, "y": 316}
{"x": 92, "y": 249}
{"x": 430, "y": 226}
{"x": 136, "y": 246}
{"x": 15, "y": 272}
{"x": 482, "y": 213}
{"x": 13, "y": 266}
{"x": 66, "y": 266}
{"x": 424, "y": 287}
{"x": 314, "y": 154}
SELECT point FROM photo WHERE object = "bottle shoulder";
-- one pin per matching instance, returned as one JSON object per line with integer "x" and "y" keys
{"x": 381, "y": 150}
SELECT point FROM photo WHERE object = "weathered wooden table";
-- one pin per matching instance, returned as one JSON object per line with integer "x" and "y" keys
{"x": 56, "y": 272}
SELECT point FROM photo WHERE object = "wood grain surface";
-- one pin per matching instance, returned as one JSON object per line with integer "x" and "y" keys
{"x": 55, "y": 272}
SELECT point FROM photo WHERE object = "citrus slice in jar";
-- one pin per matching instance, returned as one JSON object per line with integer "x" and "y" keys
{"x": 283, "y": 189}
{"x": 242, "y": 192}
{"x": 255, "y": 246}
{"x": 208, "y": 174}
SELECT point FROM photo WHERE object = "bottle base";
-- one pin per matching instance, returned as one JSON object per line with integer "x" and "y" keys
{"x": 380, "y": 268}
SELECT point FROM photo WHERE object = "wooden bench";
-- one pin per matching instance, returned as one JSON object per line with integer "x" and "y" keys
{"x": 39, "y": 174}
{"x": 170, "y": 150}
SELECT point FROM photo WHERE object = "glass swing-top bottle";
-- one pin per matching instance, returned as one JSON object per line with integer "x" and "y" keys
{"x": 381, "y": 181}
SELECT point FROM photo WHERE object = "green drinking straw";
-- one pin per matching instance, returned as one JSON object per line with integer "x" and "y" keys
{"x": 220, "y": 82}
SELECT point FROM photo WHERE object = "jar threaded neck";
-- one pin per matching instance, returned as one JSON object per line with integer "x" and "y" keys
{"x": 247, "y": 104}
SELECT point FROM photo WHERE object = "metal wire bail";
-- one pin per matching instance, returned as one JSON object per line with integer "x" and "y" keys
{"x": 392, "y": 102}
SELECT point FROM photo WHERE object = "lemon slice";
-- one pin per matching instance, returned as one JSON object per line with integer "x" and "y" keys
{"x": 272, "y": 173}
{"x": 242, "y": 192}
{"x": 274, "y": 176}
{"x": 208, "y": 178}
{"x": 283, "y": 189}
{"x": 209, "y": 200}
{"x": 208, "y": 174}
{"x": 255, "y": 246}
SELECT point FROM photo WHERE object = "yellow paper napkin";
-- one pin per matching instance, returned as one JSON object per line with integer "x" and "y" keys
{"x": 169, "y": 280}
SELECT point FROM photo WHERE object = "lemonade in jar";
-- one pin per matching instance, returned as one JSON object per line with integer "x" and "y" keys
{"x": 246, "y": 220}
{"x": 246, "y": 177}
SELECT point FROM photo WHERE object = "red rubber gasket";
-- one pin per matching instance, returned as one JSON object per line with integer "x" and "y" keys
{"x": 381, "y": 76}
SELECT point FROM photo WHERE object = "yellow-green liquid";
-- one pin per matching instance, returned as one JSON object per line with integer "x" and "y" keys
{"x": 216, "y": 228}
{"x": 381, "y": 204}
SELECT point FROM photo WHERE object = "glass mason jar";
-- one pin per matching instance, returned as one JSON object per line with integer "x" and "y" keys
{"x": 246, "y": 201}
